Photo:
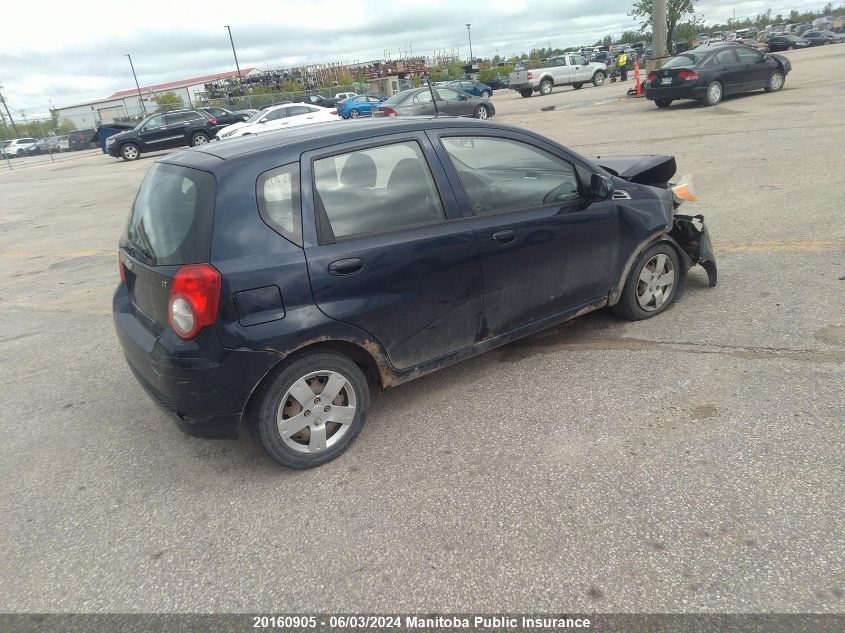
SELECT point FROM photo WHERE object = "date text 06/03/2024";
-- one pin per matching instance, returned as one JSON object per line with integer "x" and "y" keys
{"x": 496, "y": 622}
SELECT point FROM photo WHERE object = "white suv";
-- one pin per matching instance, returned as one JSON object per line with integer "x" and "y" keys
{"x": 16, "y": 146}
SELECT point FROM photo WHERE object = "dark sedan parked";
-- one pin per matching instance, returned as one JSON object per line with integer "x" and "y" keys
{"x": 419, "y": 101}
{"x": 822, "y": 38}
{"x": 787, "y": 42}
{"x": 225, "y": 117}
{"x": 280, "y": 277}
{"x": 471, "y": 87}
{"x": 707, "y": 73}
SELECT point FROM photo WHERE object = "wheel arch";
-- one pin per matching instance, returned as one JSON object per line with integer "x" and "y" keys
{"x": 658, "y": 238}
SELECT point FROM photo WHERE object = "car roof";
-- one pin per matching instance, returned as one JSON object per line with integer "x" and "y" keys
{"x": 309, "y": 137}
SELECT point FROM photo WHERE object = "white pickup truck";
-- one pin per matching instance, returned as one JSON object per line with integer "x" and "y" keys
{"x": 564, "y": 70}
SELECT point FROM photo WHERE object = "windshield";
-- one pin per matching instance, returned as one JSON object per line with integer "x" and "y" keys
{"x": 257, "y": 116}
{"x": 687, "y": 59}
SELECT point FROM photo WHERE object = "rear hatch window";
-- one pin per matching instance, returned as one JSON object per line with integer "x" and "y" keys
{"x": 169, "y": 226}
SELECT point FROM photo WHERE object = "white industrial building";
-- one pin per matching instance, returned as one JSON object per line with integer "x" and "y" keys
{"x": 127, "y": 103}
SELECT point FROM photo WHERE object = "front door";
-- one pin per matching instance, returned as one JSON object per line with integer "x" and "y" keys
{"x": 581, "y": 71}
{"x": 154, "y": 135}
{"x": 561, "y": 71}
{"x": 756, "y": 70}
{"x": 454, "y": 103}
{"x": 547, "y": 249}
{"x": 385, "y": 256}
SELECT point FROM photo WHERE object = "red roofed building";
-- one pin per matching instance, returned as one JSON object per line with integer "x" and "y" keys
{"x": 126, "y": 103}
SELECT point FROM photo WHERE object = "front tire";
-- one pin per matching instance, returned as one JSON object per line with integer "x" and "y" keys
{"x": 298, "y": 423}
{"x": 130, "y": 151}
{"x": 776, "y": 81}
{"x": 598, "y": 78}
{"x": 653, "y": 284}
{"x": 481, "y": 112}
{"x": 546, "y": 87}
{"x": 200, "y": 138}
{"x": 714, "y": 94}
{"x": 662, "y": 103}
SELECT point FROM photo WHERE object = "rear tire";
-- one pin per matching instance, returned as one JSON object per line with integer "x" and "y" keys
{"x": 353, "y": 114}
{"x": 776, "y": 81}
{"x": 598, "y": 78}
{"x": 653, "y": 284}
{"x": 481, "y": 112}
{"x": 320, "y": 439}
{"x": 546, "y": 87}
{"x": 790, "y": 48}
{"x": 200, "y": 138}
{"x": 526, "y": 93}
{"x": 486, "y": 94}
{"x": 130, "y": 151}
{"x": 577, "y": 86}
{"x": 713, "y": 95}
{"x": 662, "y": 103}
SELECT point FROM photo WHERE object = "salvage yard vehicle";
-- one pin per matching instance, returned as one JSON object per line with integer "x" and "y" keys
{"x": 564, "y": 70}
{"x": 18, "y": 146}
{"x": 279, "y": 118}
{"x": 420, "y": 102}
{"x": 708, "y": 73}
{"x": 279, "y": 279}
{"x": 176, "y": 128}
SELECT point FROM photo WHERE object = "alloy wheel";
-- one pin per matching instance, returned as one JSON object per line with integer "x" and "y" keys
{"x": 655, "y": 283}
{"x": 130, "y": 152}
{"x": 714, "y": 92}
{"x": 316, "y": 411}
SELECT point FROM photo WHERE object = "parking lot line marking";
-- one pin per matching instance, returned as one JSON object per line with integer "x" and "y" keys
{"x": 780, "y": 246}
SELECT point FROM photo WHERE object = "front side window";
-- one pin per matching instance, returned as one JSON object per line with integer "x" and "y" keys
{"x": 156, "y": 121}
{"x": 579, "y": 61}
{"x": 502, "y": 175}
{"x": 279, "y": 201}
{"x": 374, "y": 190}
{"x": 748, "y": 56}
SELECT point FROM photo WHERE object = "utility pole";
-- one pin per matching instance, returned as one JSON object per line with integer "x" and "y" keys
{"x": 140, "y": 97}
{"x": 238, "y": 68}
{"x": 469, "y": 35}
{"x": 658, "y": 29}
{"x": 11, "y": 120}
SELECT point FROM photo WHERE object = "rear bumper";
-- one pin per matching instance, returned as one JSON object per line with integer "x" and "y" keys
{"x": 676, "y": 92}
{"x": 201, "y": 385}
{"x": 521, "y": 87}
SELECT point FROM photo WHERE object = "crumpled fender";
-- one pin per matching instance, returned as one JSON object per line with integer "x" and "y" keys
{"x": 691, "y": 234}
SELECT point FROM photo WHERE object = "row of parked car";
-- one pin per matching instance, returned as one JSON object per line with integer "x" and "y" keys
{"x": 29, "y": 146}
{"x": 199, "y": 126}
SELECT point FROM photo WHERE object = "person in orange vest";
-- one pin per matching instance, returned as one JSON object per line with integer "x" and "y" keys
{"x": 622, "y": 64}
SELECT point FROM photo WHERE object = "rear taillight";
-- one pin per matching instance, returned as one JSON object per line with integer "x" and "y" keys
{"x": 334, "y": 112}
{"x": 121, "y": 268}
{"x": 651, "y": 76}
{"x": 212, "y": 120}
{"x": 388, "y": 111}
{"x": 687, "y": 75}
{"x": 530, "y": 75}
{"x": 194, "y": 299}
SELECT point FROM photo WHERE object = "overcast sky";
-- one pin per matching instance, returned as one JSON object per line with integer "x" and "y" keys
{"x": 71, "y": 52}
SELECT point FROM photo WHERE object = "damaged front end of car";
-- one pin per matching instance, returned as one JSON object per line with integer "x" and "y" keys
{"x": 687, "y": 231}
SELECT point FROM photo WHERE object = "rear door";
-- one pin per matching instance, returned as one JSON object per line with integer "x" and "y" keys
{"x": 729, "y": 70}
{"x": 546, "y": 248}
{"x": 299, "y": 115}
{"x": 169, "y": 226}
{"x": 384, "y": 248}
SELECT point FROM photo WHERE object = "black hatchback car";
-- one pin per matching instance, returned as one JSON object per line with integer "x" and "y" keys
{"x": 278, "y": 279}
{"x": 708, "y": 73}
{"x": 163, "y": 131}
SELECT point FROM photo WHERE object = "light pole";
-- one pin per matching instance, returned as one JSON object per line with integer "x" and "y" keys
{"x": 11, "y": 120}
{"x": 140, "y": 98}
{"x": 228, "y": 28}
{"x": 469, "y": 35}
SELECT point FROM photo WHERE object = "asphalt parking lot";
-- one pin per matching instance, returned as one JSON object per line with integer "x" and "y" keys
{"x": 690, "y": 462}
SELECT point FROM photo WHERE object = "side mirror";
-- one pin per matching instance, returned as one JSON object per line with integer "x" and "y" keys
{"x": 601, "y": 188}
{"x": 264, "y": 120}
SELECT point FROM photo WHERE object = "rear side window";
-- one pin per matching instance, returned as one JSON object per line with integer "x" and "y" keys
{"x": 374, "y": 190}
{"x": 170, "y": 222}
{"x": 278, "y": 201}
{"x": 685, "y": 60}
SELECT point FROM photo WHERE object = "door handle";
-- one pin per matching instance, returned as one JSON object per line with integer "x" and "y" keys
{"x": 504, "y": 237}
{"x": 345, "y": 266}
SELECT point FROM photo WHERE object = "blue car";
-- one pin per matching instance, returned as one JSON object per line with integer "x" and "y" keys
{"x": 359, "y": 106}
{"x": 276, "y": 281}
{"x": 471, "y": 87}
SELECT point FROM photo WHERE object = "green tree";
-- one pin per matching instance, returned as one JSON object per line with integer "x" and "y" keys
{"x": 65, "y": 126}
{"x": 168, "y": 101}
{"x": 676, "y": 11}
